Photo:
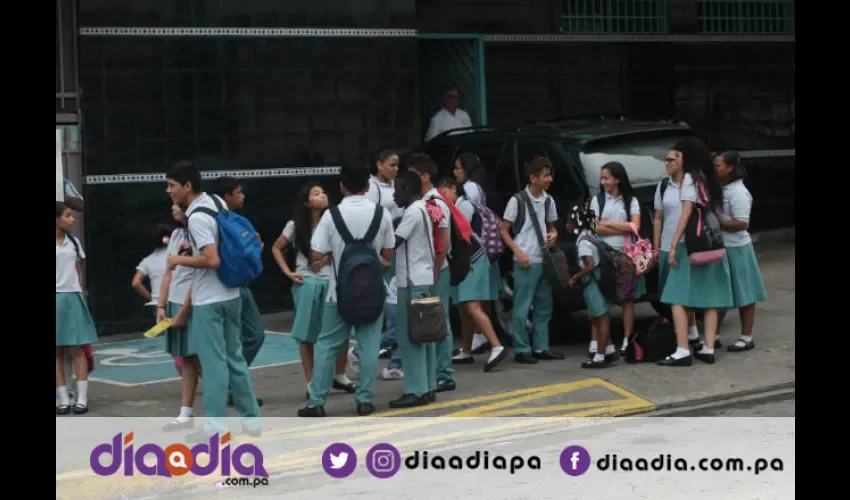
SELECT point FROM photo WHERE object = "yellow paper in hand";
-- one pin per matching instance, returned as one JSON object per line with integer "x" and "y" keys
{"x": 158, "y": 328}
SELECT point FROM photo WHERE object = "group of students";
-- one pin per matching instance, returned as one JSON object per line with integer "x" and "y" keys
{"x": 406, "y": 218}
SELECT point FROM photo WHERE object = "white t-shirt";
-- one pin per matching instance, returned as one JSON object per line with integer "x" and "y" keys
{"x": 737, "y": 204}
{"x": 614, "y": 211}
{"x": 181, "y": 276}
{"x": 587, "y": 248}
{"x": 153, "y": 266}
{"x": 466, "y": 208}
{"x": 357, "y": 213}
{"x": 443, "y": 120}
{"x": 67, "y": 279}
{"x": 473, "y": 192}
{"x": 688, "y": 191}
{"x": 526, "y": 238}
{"x": 203, "y": 231}
{"x": 384, "y": 194}
{"x": 447, "y": 219}
{"x": 671, "y": 205}
{"x": 302, "y": 265}
{"x": 418, "y": 235}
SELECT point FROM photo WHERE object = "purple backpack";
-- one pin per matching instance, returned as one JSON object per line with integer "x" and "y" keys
{"x": 490, "y": 239}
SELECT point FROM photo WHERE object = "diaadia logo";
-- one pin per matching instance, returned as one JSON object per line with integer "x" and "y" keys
{"x": 176, "y": 459}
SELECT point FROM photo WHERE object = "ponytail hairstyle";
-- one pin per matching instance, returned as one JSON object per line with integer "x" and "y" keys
{"x": 733, "y": 159}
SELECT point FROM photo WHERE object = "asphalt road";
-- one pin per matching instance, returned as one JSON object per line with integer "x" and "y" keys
{"x": 782, "y": 405}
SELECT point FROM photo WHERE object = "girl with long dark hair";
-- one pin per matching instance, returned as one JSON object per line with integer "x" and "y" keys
{"x": 309, "y": 283}
{"x": 706, "y": 287}
{"x": 747, "y": 283}
{"x": 617, "y": 219}
{"x": 153, "y": 267}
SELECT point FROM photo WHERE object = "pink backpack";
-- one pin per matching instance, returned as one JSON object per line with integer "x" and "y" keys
{"x": 639, "y": 251}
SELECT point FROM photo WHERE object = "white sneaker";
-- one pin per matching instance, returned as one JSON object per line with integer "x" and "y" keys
{"x": 353, "y": 362}
{"x": 392, "y": 374}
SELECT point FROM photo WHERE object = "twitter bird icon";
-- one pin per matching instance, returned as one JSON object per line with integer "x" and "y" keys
{"x": 339, "y": 460}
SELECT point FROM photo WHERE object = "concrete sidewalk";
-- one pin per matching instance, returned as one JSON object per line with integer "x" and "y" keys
{"x": 552, "y": 388}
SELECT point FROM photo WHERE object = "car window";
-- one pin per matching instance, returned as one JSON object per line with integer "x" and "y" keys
{"x": 443, "y": 155}
{"x": 500, "y": 181}
{"x": 643, "y": 159}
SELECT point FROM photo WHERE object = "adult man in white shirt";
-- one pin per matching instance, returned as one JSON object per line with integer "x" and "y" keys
{"x": 449, "y": 117}
{"x": 215, "y": 323}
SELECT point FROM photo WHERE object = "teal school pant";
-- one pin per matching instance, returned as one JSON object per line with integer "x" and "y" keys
{"x": 530, "y": 287}
{"x": 419, "y": 360}
{"x": 445, "y": 372}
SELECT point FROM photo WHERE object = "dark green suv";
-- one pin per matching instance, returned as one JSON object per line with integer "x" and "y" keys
{"x": 577, "y": 147}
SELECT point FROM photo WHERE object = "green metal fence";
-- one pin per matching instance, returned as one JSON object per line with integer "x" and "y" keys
{"x": 752, "y": 17}
{"x": 616, "y": 16}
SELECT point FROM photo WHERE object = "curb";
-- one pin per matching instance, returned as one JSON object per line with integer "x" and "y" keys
{"x": 688, "y": 403}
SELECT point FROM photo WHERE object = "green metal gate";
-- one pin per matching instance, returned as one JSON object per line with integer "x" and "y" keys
{"x": 451, "y": 59}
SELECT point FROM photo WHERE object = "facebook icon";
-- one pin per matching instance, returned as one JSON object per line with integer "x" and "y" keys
{"x": 575, "y": 460}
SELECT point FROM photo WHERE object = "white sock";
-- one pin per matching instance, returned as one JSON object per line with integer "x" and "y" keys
{"x": 342, "y": 379}
{"x": 680, "y": 353}
{"x": 62, "y": 392}
{"x": 186, "y": 414}
{"x": 693, "y": 333}
{"x": 594, "y": 346}
{"x": 462, "y": 355}
{"x": 743, "y": 340}
{"x": 706, "y": 350}
{"x": 83, "y": 390}
{"x": 598, "y": 357}
{"x": 609, "y": 349}
{"x": 625, "y": 342}
{"x": 478, "y": 339}
{"x": 495, "y": 352}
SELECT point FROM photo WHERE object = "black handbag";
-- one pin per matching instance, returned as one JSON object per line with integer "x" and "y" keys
{"x": 426, "y": 318}
{"x": 555, "y": 265}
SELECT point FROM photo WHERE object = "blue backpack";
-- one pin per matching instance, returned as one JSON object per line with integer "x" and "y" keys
{"x": 239, "y": 249}
{"x": 360, "y": 288}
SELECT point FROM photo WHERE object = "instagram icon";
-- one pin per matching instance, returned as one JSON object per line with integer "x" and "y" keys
{"x": 383, "y": 460}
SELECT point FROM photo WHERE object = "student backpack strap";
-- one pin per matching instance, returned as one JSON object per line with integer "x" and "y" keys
{"x": 74, "y": 242}
{"x": 341, "y": 228}
{"x": 375, "y": 225}
{"x": 664, "y": 183}
{"x": 600, "y": 200}
{"x": 520, "y": 213}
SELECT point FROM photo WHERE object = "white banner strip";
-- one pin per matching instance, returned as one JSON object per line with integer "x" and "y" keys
{"x": 250, "y": 32}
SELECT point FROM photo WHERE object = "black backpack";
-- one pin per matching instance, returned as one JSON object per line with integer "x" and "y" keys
{"x": 460, "y": 257}
{"x": 360, "y": 288}
{"x": 652, "y": 345}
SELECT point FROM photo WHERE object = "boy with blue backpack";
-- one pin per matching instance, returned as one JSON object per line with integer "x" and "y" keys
{"x": 225, "y": 256}
{"x": 358, "y": 235}
{"x": 253, "y": 334}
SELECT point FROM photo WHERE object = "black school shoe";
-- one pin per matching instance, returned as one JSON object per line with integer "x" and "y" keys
{"x": 446, "y": 385}
{"x": 350, "y": 387}
{"x": 704, "y": 357}
{"x": 80, "y": 409}
{"x": 737, "y": 348}
{"x": 364, "y": 409}
{"x": 63, "y": 409}
{"x": 547, "y": 355}
{"x": 671, "y": 361}
{"x": 525, "y": 358}
{"x": 309, "y": 411}
{"x": 410, "y": 401}
{"x": 495, "y": 361}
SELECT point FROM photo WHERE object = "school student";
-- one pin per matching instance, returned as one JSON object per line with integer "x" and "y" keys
{"x": 358, "y": 215}
{"x": 172, "y": 303}
{"x": 668, "y": 210}
{"x": 253, "y": 334}
{"x": 747, "y": 283}
{"x": 582, "y": 221}
{"x": 425, "y": 167}
{"x": 474, "y": 289}
{"x": 416, "y": 278}
{"x": 706, "y": 287}
{"x": 616, "y": 206}
{"x": 74, "y": 325}
{"x": 214, "y": 326}
{"x": 389, "y": 339}
{"x": 531, "y": 288}
{"x": 381, "y": 189}
{"x": 153, "y": 267}
{"x": 468, "y": 168}
{"x": 309, "y": 283}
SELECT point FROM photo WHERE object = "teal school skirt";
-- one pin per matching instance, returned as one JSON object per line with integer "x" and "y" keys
{"x": 597, "y": 304}
{"x": 476, "y": 286}
{"x": 309, "y": 298}
{"x": 698, "y": 287}
{"x": 176, "y": 339}
{"x": 74, "y": 324}
{"x": 747, "y": 283}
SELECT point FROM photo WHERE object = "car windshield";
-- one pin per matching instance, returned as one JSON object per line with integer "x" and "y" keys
{"x": 643, "y": 159}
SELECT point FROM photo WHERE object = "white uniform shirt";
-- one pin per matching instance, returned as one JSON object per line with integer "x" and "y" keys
{"x": 526, "y": 238}
{"x": 473, "y": 192}
{"x": 614, "y": 211}
{"x": 443, "y": 120}
{"x": 465, "y": 207}
{"x": 671, "y": 205}
{"x": 418, "y": 247}
{"x": 181, "y": 276}
{"x": 203, "y": 229}
{"x": 357, "y": 213}
{"x": 383, "y": 193}
{"x": 153, "y": 266}
{"x": 67, "y": 279}
{"x": 587, "y": 249}
{"x": 302, "y": 265}
{"x": 737, "y": 204}
{"x": 447, "y": 219}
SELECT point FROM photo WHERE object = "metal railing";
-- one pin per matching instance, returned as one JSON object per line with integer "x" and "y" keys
{"x": 750, "y": 17}
{"x": 616, "y": 16}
